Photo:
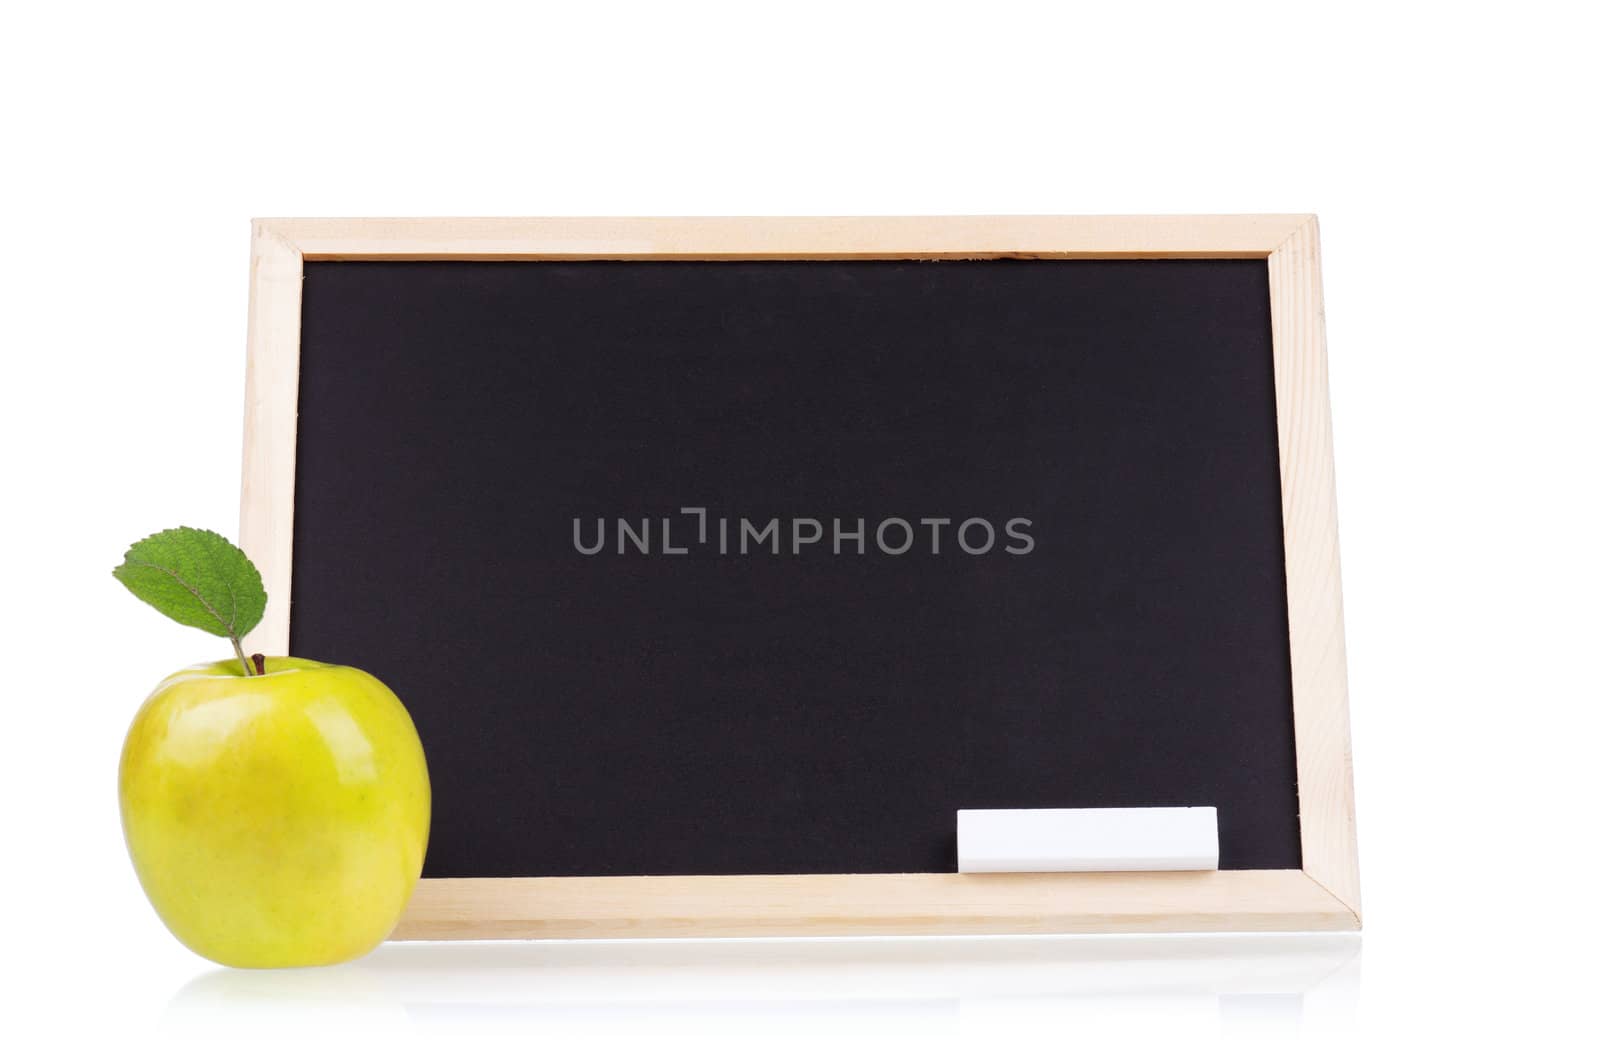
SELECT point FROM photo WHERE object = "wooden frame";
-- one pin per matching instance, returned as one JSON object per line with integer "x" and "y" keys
{"x": 1323, "y": 896}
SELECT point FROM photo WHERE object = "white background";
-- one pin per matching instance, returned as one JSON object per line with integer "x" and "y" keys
{"x": 1447, "y": 150}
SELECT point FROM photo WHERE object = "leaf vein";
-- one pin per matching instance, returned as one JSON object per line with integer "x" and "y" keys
{"x": 179, "y": 580}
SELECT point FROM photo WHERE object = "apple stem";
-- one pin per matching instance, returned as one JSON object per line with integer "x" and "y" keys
{"x": 261, "y": 663}
{"x": 238, "y": 649}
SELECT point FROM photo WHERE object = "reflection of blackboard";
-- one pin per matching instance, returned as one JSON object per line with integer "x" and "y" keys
{"x": 718, "y": 568}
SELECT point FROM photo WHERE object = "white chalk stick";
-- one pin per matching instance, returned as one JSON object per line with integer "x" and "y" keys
{"x": 1086, "y": 839}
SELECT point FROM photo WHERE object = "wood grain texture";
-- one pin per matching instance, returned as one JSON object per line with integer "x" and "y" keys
{"x": 1325, "y": 896}
{"x": 1108, "y": 236}
{"x": 1311, "y": 557}
{"x": 813, "y": 905}
{"x": 271, "y": 404}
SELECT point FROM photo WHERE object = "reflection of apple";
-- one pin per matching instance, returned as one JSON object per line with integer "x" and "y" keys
{"x": 275, "y": 820}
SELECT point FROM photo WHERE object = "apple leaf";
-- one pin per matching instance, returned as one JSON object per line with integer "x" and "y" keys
{"x": 197, "y": 578}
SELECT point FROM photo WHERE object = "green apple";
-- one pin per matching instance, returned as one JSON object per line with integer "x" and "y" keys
{"x": 277, "y": 819}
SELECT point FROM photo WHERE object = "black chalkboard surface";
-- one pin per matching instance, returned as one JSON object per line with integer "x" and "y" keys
{"x": 800, "y": 699}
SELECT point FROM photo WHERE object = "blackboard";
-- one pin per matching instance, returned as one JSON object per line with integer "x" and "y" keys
{"x": 1122, "y": 640}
